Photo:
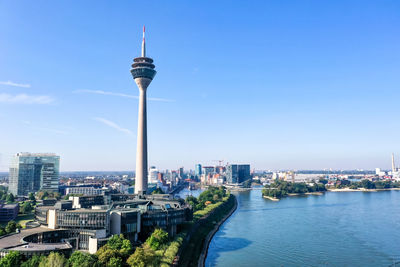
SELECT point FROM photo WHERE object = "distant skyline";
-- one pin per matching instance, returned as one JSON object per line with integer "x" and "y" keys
{"x": 305, "y": 85}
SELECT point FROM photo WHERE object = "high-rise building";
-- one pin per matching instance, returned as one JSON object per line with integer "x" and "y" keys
{"x": 143, "y": 73}
{"x": 206, "y": 170}
{"x": 153, "y": 175}
{"x": 31, "y": 172}
{"x": 237, "y": 173}
{"x": 181, "y": 173}
{"x": 197, "y": 170}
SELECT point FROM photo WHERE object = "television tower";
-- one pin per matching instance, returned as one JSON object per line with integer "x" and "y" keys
{"x": 143, "y": 73}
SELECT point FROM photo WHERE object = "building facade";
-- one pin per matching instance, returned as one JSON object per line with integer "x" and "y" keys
{"x": 31, "y": 172}
{"x": 237, "y": 173}
{"x": 8, "y": 212}
{"x": 197, "y": 170}
{"x": 87, "y": 191}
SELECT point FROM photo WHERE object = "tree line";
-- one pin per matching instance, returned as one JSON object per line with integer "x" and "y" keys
{"x": 279, "y": 188}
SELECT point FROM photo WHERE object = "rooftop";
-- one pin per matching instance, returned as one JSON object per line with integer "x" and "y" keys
{"x": 15, "y": 240}
{"x": 27, "y": 154}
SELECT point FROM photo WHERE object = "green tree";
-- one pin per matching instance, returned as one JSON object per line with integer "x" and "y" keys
{"x": 54, "y": 260}
{"x": 31, "y": 196}
{"x": 34, "y": 261}
{"x": 82, "y": 259}
{"x": 323, "y": 181}
{"x": 143, "y": 257}
{"x": 157, "y": 239}
{"x": 42, "y": 195}
{"x": 105, "y": 253}
{"x": 11, "y": 227}
{"x": 10, "y": 198}
{"x": 192, "y": 201}
{"x": 157, "y": 191}
{"x": 126, "y": 248}
{"x": 114, "y": 262}
{"x": 115, "y": 242}
{"x": 367, "y": 184}
{"x": 12, "y": 259}
{"x": 26, "y": 207}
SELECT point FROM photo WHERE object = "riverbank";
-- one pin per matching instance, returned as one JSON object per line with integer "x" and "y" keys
{"x": 203, "y": 255}
{"x": 294, "y": 195}
{"x": 271, "y": 198}
{"x": 196, "y": 238}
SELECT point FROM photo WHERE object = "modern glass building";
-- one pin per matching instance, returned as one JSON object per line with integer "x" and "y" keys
{"x": 237, "y": 173}
{"x": 197, "y": 170}
{"x": 31, "y": 172}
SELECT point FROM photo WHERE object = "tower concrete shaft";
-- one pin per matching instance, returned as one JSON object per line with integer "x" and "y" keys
{"x": 143, "y": 72}
{"x": 141, "y": 150}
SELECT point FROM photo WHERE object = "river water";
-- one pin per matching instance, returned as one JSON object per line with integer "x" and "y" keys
{"x": 335, "y": 229}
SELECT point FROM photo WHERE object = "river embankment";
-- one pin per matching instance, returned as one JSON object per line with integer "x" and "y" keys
{"x": 193, "y": 250}
{"x": 203, "y": 255}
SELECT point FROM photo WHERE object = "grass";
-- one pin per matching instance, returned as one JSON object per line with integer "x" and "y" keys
{"x": 22, "y": 219}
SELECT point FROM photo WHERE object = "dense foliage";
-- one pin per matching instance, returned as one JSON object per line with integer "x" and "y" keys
{"x": 157, "y": 191}
{"x": 117, "y": 247}
{"x": 46, "y": 194}
{"x": 82, "y": 259}
{"x": 26, "y": 207}
{"x": 280, "y": 188}
{"x": 210, "y": 196}
{"x": 367, "y": 184}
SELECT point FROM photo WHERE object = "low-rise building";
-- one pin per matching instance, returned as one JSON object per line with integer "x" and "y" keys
{"x": 8, "y": 212}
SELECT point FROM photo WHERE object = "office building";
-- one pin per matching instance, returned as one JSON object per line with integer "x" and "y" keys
{"x": 208, "y": 170}
{"x": 8, "y": 212}
{"x": 237, "y": 173}
{"x": 153, "y": 175}
{"x": 197, "y": 170}
{"x": 143, "y": 73}
{"x": 87, "y": 191}
{"x": 31, "y": 172}
{"x": 181, "y": 173}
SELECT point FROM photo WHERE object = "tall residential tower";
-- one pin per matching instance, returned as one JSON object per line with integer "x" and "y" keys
{"x": 143, "y": 72}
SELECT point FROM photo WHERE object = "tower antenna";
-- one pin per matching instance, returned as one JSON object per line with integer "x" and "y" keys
{"x": 143, "y": 44}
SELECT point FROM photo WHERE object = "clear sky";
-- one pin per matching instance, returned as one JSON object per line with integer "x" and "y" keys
{"x": 277, "y": 84}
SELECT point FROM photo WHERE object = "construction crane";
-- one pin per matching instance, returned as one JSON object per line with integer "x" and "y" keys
{"x": 220, "y": 161}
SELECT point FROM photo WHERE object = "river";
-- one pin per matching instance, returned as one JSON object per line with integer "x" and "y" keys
{"x": 335, "y": 229}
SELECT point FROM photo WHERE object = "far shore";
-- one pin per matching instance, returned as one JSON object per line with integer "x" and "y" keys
{"x": 332, "y": 190}
{"x": 271, "y": 198}
{"x": 360, "y": 190}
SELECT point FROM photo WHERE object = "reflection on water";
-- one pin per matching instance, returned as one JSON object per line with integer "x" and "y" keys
{"x": 335, "y": 229}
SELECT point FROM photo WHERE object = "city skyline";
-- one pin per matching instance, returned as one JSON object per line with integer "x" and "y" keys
{"x": 312, "y": 86}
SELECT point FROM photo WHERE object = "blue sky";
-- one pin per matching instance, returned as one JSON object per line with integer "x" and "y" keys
{"x": 278, "y": 84}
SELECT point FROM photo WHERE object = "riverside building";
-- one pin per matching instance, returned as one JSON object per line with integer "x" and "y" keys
{"x": 237, "y": 173}
{"x": 31, "y": 172}
{"x": 65, "y": 228}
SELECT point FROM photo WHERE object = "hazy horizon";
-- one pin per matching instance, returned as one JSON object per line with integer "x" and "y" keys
{"x": 305, "y": 85}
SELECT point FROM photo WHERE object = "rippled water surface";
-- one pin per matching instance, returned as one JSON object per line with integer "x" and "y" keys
{"x": 335, "y": 229}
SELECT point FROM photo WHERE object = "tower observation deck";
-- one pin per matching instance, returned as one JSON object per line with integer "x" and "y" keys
{"x": 143, "y": 73}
